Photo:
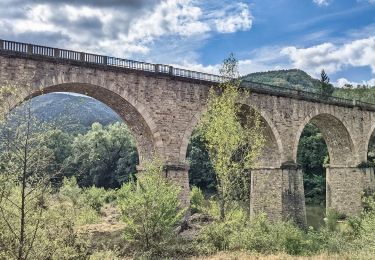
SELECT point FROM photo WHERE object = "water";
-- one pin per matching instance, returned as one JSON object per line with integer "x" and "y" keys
{"x": 315, "y": 215}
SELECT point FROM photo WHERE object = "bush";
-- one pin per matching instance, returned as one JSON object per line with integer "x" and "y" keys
{"x": 196, "y": 200}
{"x": 258, "y": 235}
{"x": 95, "y": 197}
{"x": 217, "y": 235}
{"x": 150, "y": 209}
{"x": 84, "y": 204}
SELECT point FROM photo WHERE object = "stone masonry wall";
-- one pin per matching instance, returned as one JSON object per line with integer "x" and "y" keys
{"x": 344, "y": 189}
{"x": 279, "y": 193}
{"x": 162, "y": 111}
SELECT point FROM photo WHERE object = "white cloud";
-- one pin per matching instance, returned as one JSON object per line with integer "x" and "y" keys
{"x": 343, "y": 81}
{"x": 237, "y": 19}
{"x": 322, "y": 2}
{"x": 120, "y": 28}
{"x": 333, "y": 58}
{"x": 266, "y": 60}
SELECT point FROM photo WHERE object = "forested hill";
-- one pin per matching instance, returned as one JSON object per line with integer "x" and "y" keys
{"x": 293, "y": 78}
{"x": 73, "y": 112}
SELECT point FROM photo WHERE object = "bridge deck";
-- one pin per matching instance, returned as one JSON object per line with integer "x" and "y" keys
{"x": 37, "y": 51}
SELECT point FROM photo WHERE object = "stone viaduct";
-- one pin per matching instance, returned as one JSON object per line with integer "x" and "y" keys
{"x": 162, "y": 105}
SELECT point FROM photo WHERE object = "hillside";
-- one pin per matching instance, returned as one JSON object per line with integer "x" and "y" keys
{"x": 74, "y": 112}
{"x": 293, "y": 78}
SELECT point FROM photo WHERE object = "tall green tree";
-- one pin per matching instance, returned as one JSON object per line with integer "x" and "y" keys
{"x": 104, "y": 156}
{"x": 326, "y": 88}
{"x": 24, "y": 180}
{"x": 233, "y": 143}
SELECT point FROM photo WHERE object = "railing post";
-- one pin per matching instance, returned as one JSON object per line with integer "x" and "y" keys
{"x": 105, "y": 60}
{"x": 1, "y": 44}
{"x": 157, "y": 68}
{"x": 30, "y": 49}
{"x": 170, "y": 70}
{"x": 82, "y": 56}
{"x": 56, "y": 52}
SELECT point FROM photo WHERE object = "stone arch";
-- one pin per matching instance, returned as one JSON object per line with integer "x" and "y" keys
{"x": 336, "y": 135}
{"x": 368, "y": 137}
{"x": 134, "y": 114}
{"x": 186, "y": 136}
{"x": 271, "y": 154}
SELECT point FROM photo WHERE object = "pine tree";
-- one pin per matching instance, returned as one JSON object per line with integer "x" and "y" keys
{"x": 326, "y": 89}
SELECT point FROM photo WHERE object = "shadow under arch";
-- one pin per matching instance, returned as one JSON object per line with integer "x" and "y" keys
{"x": 271, "y": 154}
{"x": 370, "y": 141}
{"x": 336, "y": 135}
{"x": 134, "y": 114}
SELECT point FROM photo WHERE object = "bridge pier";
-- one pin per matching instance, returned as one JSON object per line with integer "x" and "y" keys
{"x": 279, "y": 193}
{"x": 345, "y": 186}
{"x": 179, "y": 174}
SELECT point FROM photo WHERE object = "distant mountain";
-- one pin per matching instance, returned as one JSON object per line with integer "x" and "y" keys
{"x": 292, "y": 78}
{"x": 72, "y": 112}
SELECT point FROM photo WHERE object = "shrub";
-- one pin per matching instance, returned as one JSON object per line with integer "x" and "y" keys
{"x": 150, "y": 209}
{"x": 95, "y": 197}
{"x": 70, "y": 190}
{"x": 258, "y": 235}
{"x": 217, "y": 235}
{"x": 84, "y": 204}
{"x": 196, "y": 200}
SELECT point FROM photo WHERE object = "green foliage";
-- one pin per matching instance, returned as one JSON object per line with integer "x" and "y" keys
{"x": 84, "y": 204}
{"x": 257, "y": 234}
{"x": 104, "y": 156}
{"x": 361, "y": 93}
{"x": 312, "y": 151}
{"x": 54, "y": 239}
{"x": 95, "y": 197}
{"x": 293, "y": 78}
{"x": 196, "y": 200}
{"x": 325, "y": 89}
{"x": 150, "y": 209}
{"x": 201, "y": 172}
{"x": 233, "y": 143}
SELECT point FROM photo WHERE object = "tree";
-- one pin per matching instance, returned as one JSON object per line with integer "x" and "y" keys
{"x": 201, "y": 172}
{"x": 312, "y": 151}
{"x": 24, "y": 179}
{"x": 326, "y": 89}
{"x": 104, "y": 156}
{"x": 233, "y": 142}
{"x": 150, "y": 208}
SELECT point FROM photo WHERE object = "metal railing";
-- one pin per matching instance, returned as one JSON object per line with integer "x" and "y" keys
{"x": 301, "y": 94}
{"x": 31, "y": 49}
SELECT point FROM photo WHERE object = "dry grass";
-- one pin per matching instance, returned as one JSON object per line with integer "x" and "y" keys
{"x": 255, "y": 256}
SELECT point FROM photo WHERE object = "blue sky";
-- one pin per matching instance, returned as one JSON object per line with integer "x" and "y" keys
{"x": 335, "y": 35}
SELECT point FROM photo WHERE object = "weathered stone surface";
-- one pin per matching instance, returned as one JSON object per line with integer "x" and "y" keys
{"x": 162, "y": 111}
{"x": 368, "y": 180}
{"x": 344, "y": 189}
{"x": 279, "y": 193}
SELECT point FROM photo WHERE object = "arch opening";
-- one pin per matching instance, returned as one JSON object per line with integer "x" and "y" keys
{"x": 201, "y": 171}
{"x": 324, "y": 140}
{"x": 112, "y": 113}
{"x": 85, "y": 138}
{"x": 134, "y": 115}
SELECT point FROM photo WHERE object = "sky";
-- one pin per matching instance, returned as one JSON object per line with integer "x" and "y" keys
{"x": 335, "y": 35}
